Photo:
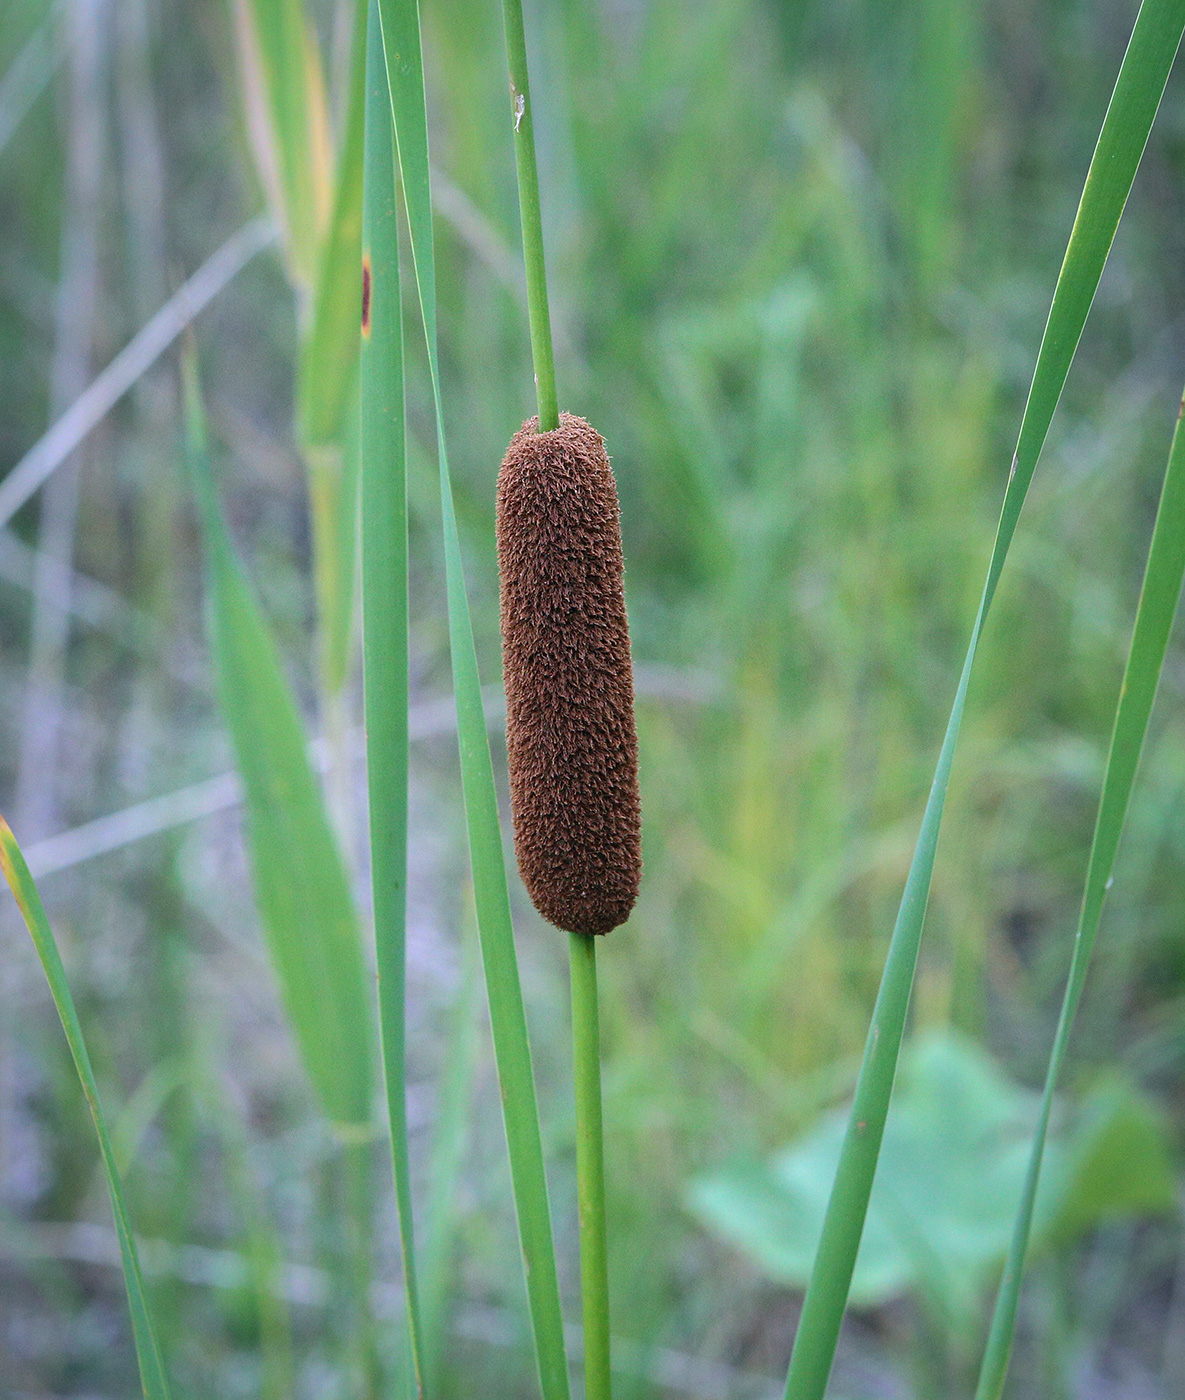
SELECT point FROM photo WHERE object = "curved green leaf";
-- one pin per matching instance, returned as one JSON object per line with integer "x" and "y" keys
{"x": 1154, "y": 621}
{"x": 384, "y": 626}
{"x": 1137, "y": 95}
{"x": 301, "y": 887}
{"x": 16, "y": 872}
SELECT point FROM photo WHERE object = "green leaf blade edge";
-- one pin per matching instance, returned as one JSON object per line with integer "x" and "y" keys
{"x": 302, "y": 891}
{"x": 16, "y": 872}
{"x": 385, "y": 630}
{"x": 1138, "y": 90}
{"x": 512, "y": 1052}
{"x": 1157, "y": 607}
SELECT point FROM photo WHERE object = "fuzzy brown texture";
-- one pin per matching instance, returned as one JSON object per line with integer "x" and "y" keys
{"x": 569, "y": 687}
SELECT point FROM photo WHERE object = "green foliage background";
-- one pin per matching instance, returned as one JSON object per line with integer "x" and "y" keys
{"x": 800, "y": 257}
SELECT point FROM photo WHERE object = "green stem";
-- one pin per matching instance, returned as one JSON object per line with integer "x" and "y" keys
{"x": 523, "y": 118}
{"x": 590, "y": 1166}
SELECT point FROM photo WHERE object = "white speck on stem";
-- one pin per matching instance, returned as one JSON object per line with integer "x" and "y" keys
{"x": 1110, "y": 882}
{"x": 520, "y": 107}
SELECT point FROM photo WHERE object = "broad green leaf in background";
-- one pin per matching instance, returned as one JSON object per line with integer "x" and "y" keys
{"x": 512, "y": 1051}
{"x": 1154, "y": 621}
{"x": 1138, "y": 90}
{"x": 16, "y": 872}
{"x": 301, "y": 887}
{"x": 951, "y": 1172}
{"x": 384, "y": 625}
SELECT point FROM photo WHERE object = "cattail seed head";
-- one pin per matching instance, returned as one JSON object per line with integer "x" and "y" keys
{"x": 570, "y": 734}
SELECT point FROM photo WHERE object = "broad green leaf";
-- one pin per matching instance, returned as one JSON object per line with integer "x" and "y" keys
{"x": 1154, "y": 621}
{"x": 1118, "y": 1164}
{"x": 952, "y": 1170}
{"x": 1133, "y": 105}
{"x": 301, "y": 887}
{"x": 384, "y": 624}
{"x": 328, "y": 360}
{"x": 16, "y": 872}
{"x": 401, "y": 40}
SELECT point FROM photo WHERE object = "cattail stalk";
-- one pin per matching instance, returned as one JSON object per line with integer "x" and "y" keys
{"x": 523, "y": 117}
{"x": 594, "y": 1277}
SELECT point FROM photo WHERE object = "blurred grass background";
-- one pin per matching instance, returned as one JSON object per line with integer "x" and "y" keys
{"x": 800, "y": 257}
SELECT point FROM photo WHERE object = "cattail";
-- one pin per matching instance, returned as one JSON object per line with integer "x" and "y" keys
{"x": 570, "y": 731}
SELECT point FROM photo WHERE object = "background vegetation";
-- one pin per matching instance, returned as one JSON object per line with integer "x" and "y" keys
{"x": 800, "y": 258}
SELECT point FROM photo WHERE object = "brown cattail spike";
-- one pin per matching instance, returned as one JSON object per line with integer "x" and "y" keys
{"x": 569, "y": 687}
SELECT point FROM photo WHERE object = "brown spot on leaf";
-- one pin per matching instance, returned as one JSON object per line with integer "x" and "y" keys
{"x": 366, "y": 294}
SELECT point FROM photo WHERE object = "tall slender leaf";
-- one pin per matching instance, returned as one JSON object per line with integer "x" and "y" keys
{"x": 401, "y": 39}
{"x": 287, "y": 101}
{"x": 301, "y": 887}
{"x": 333, "y": 470}
{"x": 1150, "y": 637}
{"x": 330, "y": 351}
{"x": 384, "y": 624}
{"x": 1129, "y": 117}
{"x": 16, "y": 872}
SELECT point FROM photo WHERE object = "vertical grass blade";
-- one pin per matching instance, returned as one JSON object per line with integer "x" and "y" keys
{"x": 1154, "y": 620}
{"x": 16, "y": 872}
{"x": 330, "y": 352}
{"x": 1138, "y": 90}
{"x": 281, "y": 64}
{"x": 384, "y": 625}
{"x": 401, "y": 39}
{"x": 333, "y": 471}
{"x": 301, "y": 887}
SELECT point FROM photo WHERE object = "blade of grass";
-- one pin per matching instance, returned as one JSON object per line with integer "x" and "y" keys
{"x": 330, "y": 350}
{"x": 512, "y": 1051}
{"x": 1138, "y": 90}
{"x": 280, "y": 58}
{"x": 301, "y": 887}
{"x": 384, "y": 625}
{"x": 582, "y": 948}
{"x": 333, "y": 508}
{"x": 1154, "y": 621}
{"x": 16, "y": 872}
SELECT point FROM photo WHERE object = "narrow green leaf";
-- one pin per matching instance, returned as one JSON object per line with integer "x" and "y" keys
{"x": 1154, "y": 621}
{"x": 16, "y": 872}
{"x": 301, "y": 887}
{"x": 279, "y": 43}
{"x": 330, "y": 351}
{"x": 1133, "y": 105}
{"x": 384, "y": 624}
{"x": 333, "y": 506}
{"x": 401, "y": 39}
